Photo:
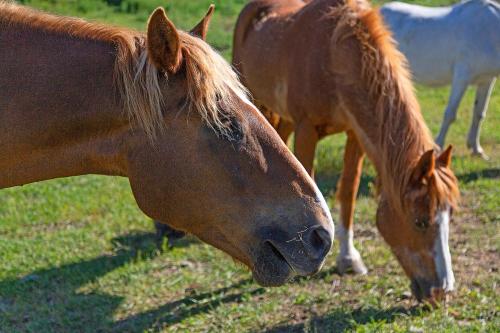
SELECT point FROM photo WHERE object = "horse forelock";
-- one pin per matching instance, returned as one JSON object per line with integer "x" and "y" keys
{"x": 210, "y": 78}
{"x": 210, "y": 81}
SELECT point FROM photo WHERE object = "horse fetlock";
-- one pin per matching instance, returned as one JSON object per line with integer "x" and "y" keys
{"x": 351, "y": 263}
{"x": 474, "y": 145}
{"x": 479, "y": 152}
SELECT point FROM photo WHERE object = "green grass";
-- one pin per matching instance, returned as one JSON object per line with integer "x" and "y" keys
{"x": 76, "y": 254}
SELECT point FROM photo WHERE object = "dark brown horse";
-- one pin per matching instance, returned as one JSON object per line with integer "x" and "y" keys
{"x": 330, "y": 66}
{"x": 166, "y": 111}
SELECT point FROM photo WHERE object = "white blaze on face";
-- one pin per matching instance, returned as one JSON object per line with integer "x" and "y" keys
{"x": 322, "y": 202}
{"x": 442, "y": 257}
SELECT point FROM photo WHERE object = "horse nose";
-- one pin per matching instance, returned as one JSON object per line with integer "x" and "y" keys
{"x": 318, "y": 242}
{"x": 424, "y": 291}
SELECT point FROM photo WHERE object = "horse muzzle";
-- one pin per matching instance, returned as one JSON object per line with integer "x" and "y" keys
{"x": 426, "y": 291}
{"x": 279, "y": 260}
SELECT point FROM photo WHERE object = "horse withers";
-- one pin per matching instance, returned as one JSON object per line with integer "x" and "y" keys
{"x": 457, "y": 45}
{"x": 331, "y": 66}
{"x": 168, "y": 112}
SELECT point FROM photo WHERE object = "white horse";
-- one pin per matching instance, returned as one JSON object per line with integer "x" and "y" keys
{"x": 458, "y": 45}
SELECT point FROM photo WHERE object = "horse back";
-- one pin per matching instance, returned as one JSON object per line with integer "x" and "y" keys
{"x": 253, "y": 18}
{"x": 438, "y": 41}
{"x": 51, "y": 85}
{"x": 281, "y": 49}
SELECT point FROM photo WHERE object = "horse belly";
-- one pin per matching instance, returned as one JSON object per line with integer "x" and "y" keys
{"x": 431, "y": 59}
{"x": 431, "y": 73}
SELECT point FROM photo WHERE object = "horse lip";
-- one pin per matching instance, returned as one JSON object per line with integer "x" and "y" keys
{"x": 278, "y": 254}
{"x": 296, "y": 268}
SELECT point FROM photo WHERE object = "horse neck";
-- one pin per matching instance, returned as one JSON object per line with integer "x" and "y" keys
{"x": 63, "y": 116}
{"x": 394, "y": 137}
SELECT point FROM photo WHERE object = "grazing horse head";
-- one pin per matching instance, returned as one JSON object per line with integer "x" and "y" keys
{"x": 166, "y": 111}
{"x": 418, "y": 233}
{"x": 219, "y": 171}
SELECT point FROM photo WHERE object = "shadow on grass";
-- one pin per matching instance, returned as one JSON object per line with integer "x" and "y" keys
{"x": 191, "y": 305}
{"x": 473, "y": 176}
{"x": 344, "y": 321}
{"x": 51, "y": 300}
{"x": 324, "y": 273}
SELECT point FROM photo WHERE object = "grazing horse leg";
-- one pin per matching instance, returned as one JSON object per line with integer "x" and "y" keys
{"x": 306, "y": 138}
{"x": 284, "y": 129}
{"x": 349, "y": 258}
{"x": 458, "y": 86}
{"x": 483, "y": 94}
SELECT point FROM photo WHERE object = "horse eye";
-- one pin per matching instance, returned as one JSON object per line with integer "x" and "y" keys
{"x": 422, "y": 223}
{"x": 234, "y": 130}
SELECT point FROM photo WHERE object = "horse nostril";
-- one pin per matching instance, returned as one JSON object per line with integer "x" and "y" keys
{"x": 320, "y": 240}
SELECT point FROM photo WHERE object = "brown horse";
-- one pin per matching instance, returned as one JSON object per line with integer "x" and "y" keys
{"x": 166, "y": 111}
{"x": 330, "y": 66}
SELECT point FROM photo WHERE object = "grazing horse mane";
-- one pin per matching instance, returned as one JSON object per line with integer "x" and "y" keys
{"x": 210, "y": 78}
{"x": 403, "y": 134}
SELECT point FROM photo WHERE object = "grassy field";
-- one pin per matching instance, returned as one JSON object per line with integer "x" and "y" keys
{"x": 76, "y": 255}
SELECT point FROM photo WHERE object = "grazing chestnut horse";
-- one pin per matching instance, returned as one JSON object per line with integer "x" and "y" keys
{"x": 166, "y": 111}
{"x": 331, "y": 66}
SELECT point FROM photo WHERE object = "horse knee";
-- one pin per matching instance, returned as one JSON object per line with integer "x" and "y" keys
{"x": 450, "y": 117}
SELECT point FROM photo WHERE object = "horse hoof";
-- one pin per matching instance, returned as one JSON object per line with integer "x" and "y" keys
{"x": 349, "y": 265}
{"x": 481, "y": 154}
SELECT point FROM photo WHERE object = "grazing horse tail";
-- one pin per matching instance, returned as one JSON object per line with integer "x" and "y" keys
{"x": 243, "y": 24}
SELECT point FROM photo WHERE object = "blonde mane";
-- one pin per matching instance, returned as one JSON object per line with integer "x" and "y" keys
{"x": 404, "y": 136}
{"x": 210, "y": 79}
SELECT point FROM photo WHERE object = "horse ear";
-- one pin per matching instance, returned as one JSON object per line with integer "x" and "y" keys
{"x": 425, "y": 167}
{"x": 445, "y": 157}
{"x": 164, "y": 44}
{"x": 200, "y": 30}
